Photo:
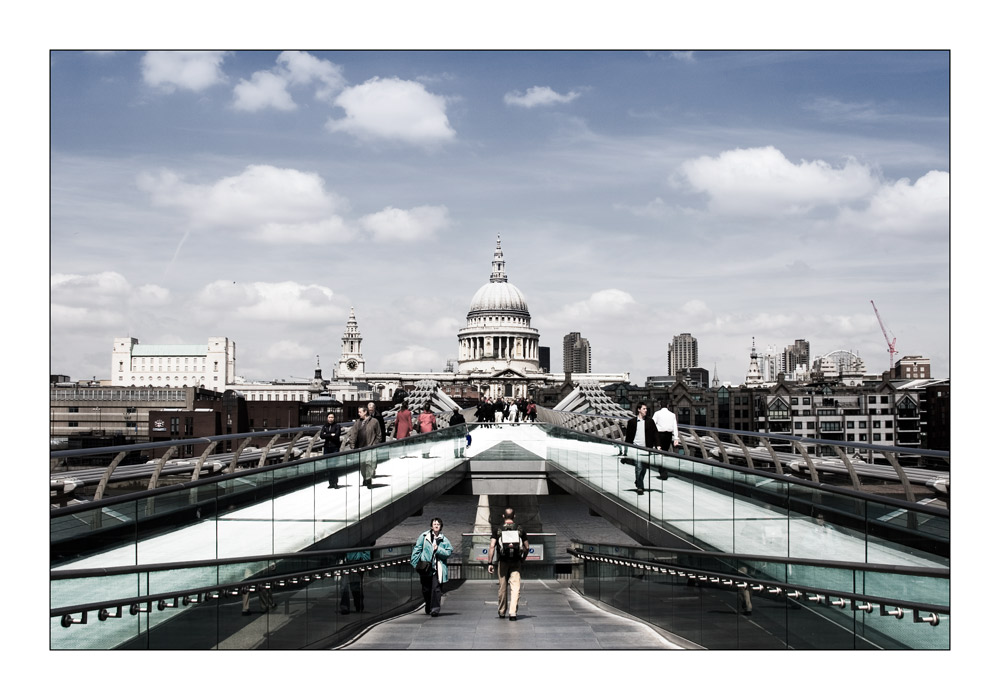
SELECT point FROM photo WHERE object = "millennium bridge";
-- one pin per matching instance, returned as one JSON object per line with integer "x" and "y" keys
{"x": 830, "y": 545}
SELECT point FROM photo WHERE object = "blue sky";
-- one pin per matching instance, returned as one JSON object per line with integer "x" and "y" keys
{"x": 639, "y": 195}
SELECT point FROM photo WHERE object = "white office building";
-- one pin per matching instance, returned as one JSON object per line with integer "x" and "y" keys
{"x": 209, "y": 365}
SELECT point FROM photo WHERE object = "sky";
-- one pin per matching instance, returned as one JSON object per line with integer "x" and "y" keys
{"x": 740, "y": 196}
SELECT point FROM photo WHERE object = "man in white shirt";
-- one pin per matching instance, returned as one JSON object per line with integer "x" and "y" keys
{"x": 666, "y": 427}
{"x": 642, "y": 433}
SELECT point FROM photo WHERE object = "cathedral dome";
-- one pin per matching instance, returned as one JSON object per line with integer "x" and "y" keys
{"x": 498, "y": 296}
{"x": 498, "y": 335}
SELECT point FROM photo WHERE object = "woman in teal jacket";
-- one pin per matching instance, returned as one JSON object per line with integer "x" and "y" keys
{"x": 434, "y": 548}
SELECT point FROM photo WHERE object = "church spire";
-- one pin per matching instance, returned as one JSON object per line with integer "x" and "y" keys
{"x": 352, "y": 362}
{"x": 498, "y": 275}
{"x": 754, "y": 377}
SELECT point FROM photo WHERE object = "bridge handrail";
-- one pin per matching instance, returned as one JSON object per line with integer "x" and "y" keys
{"x": 162, "y": 490}
{"x": 932, "y": 571}
{"x": 911, "y": 505}
{"x": 220, "y": 590}
{"x": 611, "y": 427}
{"x": 160, "y": 444}
{"x": 944, "y": 454}
{"x": 65, "y": 574}
{"x": 795, "y": 591}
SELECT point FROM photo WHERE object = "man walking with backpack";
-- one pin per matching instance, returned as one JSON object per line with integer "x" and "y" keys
{"x": 508, "y": 548}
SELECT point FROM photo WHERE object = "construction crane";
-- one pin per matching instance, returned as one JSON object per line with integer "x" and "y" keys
{"x": 890, "y": 343}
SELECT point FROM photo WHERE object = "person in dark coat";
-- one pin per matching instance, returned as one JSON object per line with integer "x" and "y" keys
{"x": 641, "y": 432}
{"x": 365, "y": 432}
{"x": 377, "y": 415}
{"x": 330, "y": 435}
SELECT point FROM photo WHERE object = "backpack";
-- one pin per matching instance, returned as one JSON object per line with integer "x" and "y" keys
{"x": 509, "y": 543}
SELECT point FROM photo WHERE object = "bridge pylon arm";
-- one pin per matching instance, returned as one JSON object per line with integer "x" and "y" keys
{"x": 201, "y": 460}
{"x": 266, "y": 450}
{"x": 159, "y": 467}
{"x": 291, "y": 444}
{"x": 746, "y": 451}
{"x": 312, "y": 441}
{"x": 722, "y": 448}
{"x": 850, "y": 467}
{"x": 813, "y": 474}
{"x": 99, "y": 494}
{"x": 774, "y": 456}
{"x": 236, "y": 455}
{"x": 901, "y": 473}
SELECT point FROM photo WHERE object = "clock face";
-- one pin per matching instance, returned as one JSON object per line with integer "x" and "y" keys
{"x": 352, "y": 364}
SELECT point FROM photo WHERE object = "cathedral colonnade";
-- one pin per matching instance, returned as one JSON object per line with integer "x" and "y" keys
{"x": 501, "y": 347}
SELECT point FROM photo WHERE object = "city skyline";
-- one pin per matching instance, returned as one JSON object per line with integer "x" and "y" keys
{"x": 638, "y": 195}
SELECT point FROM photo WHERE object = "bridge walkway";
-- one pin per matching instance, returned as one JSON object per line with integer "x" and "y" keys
{"x": 550, "y": 615}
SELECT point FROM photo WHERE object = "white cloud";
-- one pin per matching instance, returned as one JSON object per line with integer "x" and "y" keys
{"x": 270, "y": 301}
{"x": 263, "y": 90}
{"x": 302, "y": 68}
{"x": 104, "y": 289}
{"x": 538, "y": 96}
{"x": 762, "y": 181}
{"x": 696, "y": 307}
{"x": 905, "y": 207}
{"x": 151, "y": 295}
{"x": 188, "y": 70}
{"x": 393, "y": 109}
{"x": 268, "y": 89}
{"x": 602, "y": 305}
{"x": 100, "y": 287}
{"x": 406, "y": 225}
{"x": 68, "y": 318}
{"x": 264, "y": 202}
{"x": 333, "y": 229}
{"x": 414, "y": 358}
{"x": 99, "y": 300}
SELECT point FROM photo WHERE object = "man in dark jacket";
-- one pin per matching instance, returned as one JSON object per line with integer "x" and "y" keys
{"x": 365, "y": 432}
{"x": 641, "y": 432}
{"x": 377, "y": 415}
{"x": 330, "y": 435}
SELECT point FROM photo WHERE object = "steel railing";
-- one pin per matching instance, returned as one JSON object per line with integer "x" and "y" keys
{"x": 789, "y": 455}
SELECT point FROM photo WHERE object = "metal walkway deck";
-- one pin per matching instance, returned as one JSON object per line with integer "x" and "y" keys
{"x": 550, "y": 615}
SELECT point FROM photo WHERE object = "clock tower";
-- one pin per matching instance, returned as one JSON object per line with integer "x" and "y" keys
{"x": 352, "y": 362}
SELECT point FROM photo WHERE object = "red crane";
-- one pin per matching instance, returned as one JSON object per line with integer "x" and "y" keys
{"x": 890, "y": 343}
